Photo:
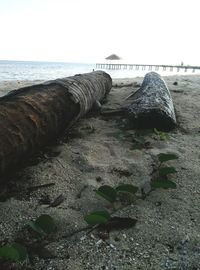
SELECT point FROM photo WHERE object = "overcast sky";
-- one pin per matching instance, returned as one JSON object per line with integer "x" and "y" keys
{"x": 140, "y": 31}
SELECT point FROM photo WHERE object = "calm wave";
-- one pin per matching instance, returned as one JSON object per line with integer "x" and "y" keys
{"x": 28, "y": 70}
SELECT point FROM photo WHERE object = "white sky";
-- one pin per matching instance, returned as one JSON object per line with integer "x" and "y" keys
{"x": 140, "y": 31}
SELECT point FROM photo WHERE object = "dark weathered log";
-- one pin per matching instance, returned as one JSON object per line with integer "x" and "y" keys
{"x": 32, "y": 117}
{"x": 151, "y": 105}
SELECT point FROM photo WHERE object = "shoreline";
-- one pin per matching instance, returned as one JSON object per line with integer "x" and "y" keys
{"x": 9, "y": 85}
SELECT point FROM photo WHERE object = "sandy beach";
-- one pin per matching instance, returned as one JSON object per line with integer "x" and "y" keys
{"x": 167, "y": 232}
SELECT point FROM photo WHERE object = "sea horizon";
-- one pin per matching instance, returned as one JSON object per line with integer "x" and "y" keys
{"x": 48, "y": 70}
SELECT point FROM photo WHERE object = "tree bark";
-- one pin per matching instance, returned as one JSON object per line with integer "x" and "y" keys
{"x": 32, "y": 117}
{"x": 151, "y": 106}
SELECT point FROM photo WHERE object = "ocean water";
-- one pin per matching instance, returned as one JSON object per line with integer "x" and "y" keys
{"x": 28, "y": 70}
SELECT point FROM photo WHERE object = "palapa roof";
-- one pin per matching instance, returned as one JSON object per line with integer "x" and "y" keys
{"x": 113, "y": 57}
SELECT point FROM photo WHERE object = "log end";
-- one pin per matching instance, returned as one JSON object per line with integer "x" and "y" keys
{"x": 152, "y": 105}
{"x": 154, "y": 119}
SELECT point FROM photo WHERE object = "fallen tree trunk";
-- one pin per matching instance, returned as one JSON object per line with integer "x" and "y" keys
{"x": 32, "y": 117}
{"x": 151, "y": 106}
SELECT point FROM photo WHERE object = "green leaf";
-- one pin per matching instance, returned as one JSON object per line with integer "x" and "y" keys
{"x": 163, "y": 184}
{"x": 9, "y": 252}
{"x": 156, "y": 131}
{"x": 107, "y": 192}
{"x": 46, "y": 223}
{"x": 98, "y": 217}
{"x": 43, "y": 225}
{"x": 15, "y": 252}
{"x": 167, "y": 170}
{"x": 22, "y": 251}
{"x": 162, "y": 135}
{"x": 36, "y": 228}
{"x": 127, "y": 188}
{"x": 166, "y": 157}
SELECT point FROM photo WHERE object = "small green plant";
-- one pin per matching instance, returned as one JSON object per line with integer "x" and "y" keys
{"x": 43, "y": 225}
{"x": 102, "y": 218}
{"x": 163, "y": 184}
{"x": 138, "y": 139}
{"x": 163, "y": 171}
{"x": 163, "y": 136}
{"x": 139, "y": 142}
{"x": 127, "y": 188}
{"x": 107, "y": 192}
{"x": 105, "y": 222}
{"x": 166, "y": 170}
{"x": 14, "y": 252}
{"x": 98, "y": 217}
{"x": 162, "y": 157}
{"x": 111, "y": 194}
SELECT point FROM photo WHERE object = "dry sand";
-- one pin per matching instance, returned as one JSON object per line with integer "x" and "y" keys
{"x": 167, "y": 234}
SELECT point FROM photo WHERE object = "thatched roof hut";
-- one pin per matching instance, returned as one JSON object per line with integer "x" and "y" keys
{"x": 113, "y": 57}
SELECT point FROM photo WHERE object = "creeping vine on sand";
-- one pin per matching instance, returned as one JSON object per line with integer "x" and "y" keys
{"x": 112, "y": 194}
{"x": 102, "y": 219}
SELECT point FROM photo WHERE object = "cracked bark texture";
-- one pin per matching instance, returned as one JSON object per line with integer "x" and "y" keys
{"x": 151, "y": 105}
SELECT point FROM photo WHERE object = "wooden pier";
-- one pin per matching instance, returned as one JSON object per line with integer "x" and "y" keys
{"x": 171, "y": 68}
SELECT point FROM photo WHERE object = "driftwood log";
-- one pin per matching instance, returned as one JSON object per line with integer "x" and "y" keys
{"x": 32, "y": 117}
{"x": 151, "y": 106}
